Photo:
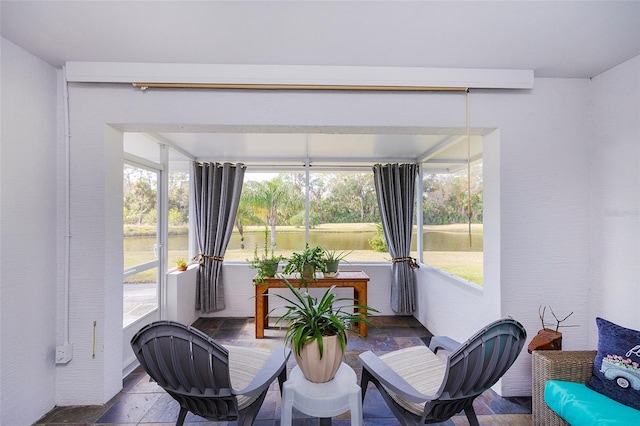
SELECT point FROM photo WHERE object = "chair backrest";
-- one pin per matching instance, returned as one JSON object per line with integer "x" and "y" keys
{"x": 190, "y": 366}
{"x": 480, "y": 361}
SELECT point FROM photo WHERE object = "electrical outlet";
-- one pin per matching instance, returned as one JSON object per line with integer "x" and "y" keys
{"x": 64, "y": 353}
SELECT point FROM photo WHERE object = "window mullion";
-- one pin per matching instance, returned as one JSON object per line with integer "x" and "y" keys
{"x": 307, "y": 201}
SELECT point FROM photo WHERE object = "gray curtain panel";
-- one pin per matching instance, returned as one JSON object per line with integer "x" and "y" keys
{"x": 396, "y": 188}
{"x": 216, "y": 189}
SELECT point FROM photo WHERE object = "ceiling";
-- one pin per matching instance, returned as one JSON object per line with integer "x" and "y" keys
{"x": 559, "y": 39}
{"x": 553, "y": 38}
{"x": 440, "y": 152}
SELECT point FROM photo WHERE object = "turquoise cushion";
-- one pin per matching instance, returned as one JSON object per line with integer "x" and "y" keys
{"x": 579, "y": 405}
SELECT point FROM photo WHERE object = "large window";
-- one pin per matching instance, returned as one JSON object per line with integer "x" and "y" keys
{"x": 178, "y": 210}
{"x": 452, "y": 241}
{"x": 141, "y": 242}
{"x": 342, "y": 215}
{"x": 332, "y": 204}
{"x": 156, "y": 223}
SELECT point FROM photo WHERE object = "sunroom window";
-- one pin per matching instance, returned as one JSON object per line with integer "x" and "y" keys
{"x": 452, "y": 216}
{"x": 318, "y": 188}
{"x": 342, "y": 215}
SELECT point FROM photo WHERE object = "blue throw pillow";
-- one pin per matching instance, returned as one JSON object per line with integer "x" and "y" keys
{"x": 616, "y": 369}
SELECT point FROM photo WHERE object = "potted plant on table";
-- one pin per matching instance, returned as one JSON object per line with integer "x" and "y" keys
{"x": 306, "y": 263}
{"x": 317, "y": 330}
{"x": 332, "y": 260}
{"x": 267, "y": 263}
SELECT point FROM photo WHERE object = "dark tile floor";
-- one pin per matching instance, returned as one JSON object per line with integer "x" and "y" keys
{"x": 142, "y": 402}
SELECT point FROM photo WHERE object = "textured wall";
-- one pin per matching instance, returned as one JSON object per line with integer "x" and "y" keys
{"x": 543, "y": 219}
{"x": 544, "y": 213}
{"x": 98, "y": 111}
{"x": 540, "y": 212}
{"x": 614, "y": 183}
{"x": 95, "y": 292}
{"x": 28, "y": 236}
{"x": 568, "y": 201}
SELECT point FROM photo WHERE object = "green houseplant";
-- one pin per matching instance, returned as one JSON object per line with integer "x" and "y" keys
{"x": 267, "y": 263}
{"x": 306, "y": 263}
{"x": 317, "y": 329}
{"x": 332, "y": 260}
{"x": 181, "y": 265}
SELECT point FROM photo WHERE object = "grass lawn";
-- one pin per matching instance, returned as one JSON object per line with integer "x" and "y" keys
{"x": 465, "y": 264}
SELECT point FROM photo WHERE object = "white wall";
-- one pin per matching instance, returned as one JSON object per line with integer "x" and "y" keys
{"x": 544, "y": 229}
{"x": 544, "y": 157}
{"x": 98, "y": 112}
{"x": 543, "y": 246}
{"x": 239, "y": 291}
{"x": 614, "y": 181}
{"x": 28, "y": 232}
{"x": 94, "y": 375}
{"x": 181, "y": 296}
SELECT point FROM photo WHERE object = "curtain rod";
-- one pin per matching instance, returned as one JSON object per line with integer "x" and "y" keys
{"x": 145, "y": 86}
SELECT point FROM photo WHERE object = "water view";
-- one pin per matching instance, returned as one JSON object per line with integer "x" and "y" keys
{"x": 434, "y": 240}
{"x": 447, "y": 246}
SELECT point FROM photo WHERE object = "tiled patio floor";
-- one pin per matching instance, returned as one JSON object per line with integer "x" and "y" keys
{"x": 143, "y": 403}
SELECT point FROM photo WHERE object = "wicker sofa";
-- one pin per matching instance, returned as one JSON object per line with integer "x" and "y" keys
{"x": 572, "y": 366}
{"x": 560, "y": 376}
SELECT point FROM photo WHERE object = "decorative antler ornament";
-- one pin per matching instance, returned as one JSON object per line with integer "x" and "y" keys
{"x": 548, "y": 339}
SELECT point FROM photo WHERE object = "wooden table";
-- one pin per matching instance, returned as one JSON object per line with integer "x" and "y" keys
{"x": 357, "y": 280}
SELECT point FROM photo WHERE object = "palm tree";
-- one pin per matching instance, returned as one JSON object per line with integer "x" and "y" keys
{"x": 244, "y": 216}
{"x": 265, "y": 199}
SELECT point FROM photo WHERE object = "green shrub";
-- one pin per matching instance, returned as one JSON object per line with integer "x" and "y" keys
{"x": 379, "y": 242}
{"x": 176, "y": 217}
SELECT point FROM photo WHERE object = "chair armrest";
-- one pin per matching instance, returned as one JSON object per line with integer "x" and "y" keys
{"x": 443, "y": 342}
{"x": 390, "y": 379}
{"x": 268, "y": 373}
{"x": 570, "y": 366}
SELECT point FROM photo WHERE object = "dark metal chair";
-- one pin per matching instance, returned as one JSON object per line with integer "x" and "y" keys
{"x": 422, "y": 387}
{"x": 215, "y": 382}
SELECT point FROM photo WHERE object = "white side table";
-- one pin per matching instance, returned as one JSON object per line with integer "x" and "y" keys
{"x": 323, "y": 400}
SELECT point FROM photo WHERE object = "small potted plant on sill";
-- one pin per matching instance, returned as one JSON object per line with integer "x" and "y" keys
{"x": 317, "y": 330}
{"x": 267, "y": 264}
{"x": 181, "y": 265}
{"x": 332, "y": 260}
{"x": 306, "y": 263}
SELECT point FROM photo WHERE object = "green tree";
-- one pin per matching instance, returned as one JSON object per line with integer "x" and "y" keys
{"x": 244, "y": 216}
{"x": 317, "y": 194}
{"x": 446, "y": 197}
{"x": 353, "y": 197}
{"x": 178, "y": 201}
{"x": 266, "y": 199}
{"x": 140, "y": 200}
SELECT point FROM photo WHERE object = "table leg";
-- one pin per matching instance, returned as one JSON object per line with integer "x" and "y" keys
{"x": 360, "y": 295}
{"x": 260, "y": 296}
{"x": 325, "y": 421}
{"x": 355, "y": 406}
{"x": 265, "y": 303}
{"x": 286, "y": 410}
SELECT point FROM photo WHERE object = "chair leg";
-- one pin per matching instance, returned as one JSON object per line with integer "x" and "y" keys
{"x": 245, "y": 420}
{"x": 282, "y": 377}
{"x": 364, "y": 381}
{"x": 181, "y": 416}
{"x": 471, "y": 416}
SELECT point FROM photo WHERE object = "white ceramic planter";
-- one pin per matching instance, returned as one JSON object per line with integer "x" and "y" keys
{"x": 316, "y": 369}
